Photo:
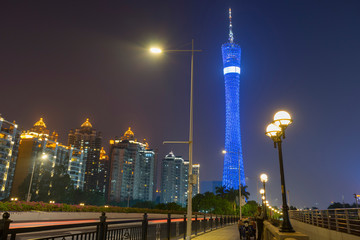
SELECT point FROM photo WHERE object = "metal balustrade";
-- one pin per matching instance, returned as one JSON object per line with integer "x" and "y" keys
{"x": 345, "y": 220}
{"x": 144, "y": 229}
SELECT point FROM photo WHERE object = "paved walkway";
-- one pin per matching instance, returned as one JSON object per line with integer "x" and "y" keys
{"x": 226, "y": 233}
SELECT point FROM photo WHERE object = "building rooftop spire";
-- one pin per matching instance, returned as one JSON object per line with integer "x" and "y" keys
{"x": 231, "y": 35}
{"x": 40, "y": 123}
{"x": 86, "y": 124}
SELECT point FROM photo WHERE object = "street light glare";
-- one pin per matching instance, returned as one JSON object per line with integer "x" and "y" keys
{"x": 282, "y": 118}
{"x": 262, "y": 191}
{"x": 264, "y": 177}
{"x": 224, "y": 152}
{"x": 155, "y": 50}
{"x": 44, "y": 156}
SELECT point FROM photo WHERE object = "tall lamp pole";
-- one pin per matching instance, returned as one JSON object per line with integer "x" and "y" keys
{"x": 240, "y": 194}
{"x": 191, "y": 180}
{"x": 276, "y": 131}
{"x": 264, "y": 179}
{"x": 28, "y": 197}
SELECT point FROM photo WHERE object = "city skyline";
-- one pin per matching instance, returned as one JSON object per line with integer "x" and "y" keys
{"x": 66, "y": 63}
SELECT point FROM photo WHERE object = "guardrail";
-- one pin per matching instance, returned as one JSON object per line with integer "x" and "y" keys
{"x": 140, "y": 230}
{"x": 345, "y": 220}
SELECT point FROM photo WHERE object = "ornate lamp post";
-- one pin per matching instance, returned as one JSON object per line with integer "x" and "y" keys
{"x": 264, "y": 179}
{"x": 276, "y": 131}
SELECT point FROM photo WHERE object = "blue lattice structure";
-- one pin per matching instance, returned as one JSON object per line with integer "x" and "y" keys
{"x": 233, "y": 159}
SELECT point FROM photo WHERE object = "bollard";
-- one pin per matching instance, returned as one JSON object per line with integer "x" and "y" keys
{"x": 169, "y": 226}
{"x": 204, "y": 221}
{"x": 102, "y": 227}
{"x": 144, "y": 227}
{"x": 5, "y": 225}
{"x": 196, "y": 226}
{"x": 184, "y": 227}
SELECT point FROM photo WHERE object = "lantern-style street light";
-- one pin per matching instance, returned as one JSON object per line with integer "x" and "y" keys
{"x": 276, "y": 131}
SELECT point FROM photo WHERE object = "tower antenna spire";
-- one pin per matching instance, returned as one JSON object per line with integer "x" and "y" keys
{"x": 231, "y": 35}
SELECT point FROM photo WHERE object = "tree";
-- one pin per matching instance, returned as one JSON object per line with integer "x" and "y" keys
{"x": 220, "y": 191}
{"x": 250, "y": 208}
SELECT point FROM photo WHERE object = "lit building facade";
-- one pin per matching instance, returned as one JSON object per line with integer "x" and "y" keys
{"x": 89, "y": 140}
{"x": 174, "y": 179}
{"x": 9, "y": 144}
{"x": 233, "y": 159}
{"x": 132, "y": 169}
{"x": 34, "y": 145}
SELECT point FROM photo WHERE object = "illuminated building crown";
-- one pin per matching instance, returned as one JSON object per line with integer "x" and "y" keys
{"x": 128, "y": 135}
{"x": 40, "y": 123}
{"x": 86, "y": 124}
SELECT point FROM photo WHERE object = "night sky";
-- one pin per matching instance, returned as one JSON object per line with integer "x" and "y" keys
{"x": 69, "y": 60}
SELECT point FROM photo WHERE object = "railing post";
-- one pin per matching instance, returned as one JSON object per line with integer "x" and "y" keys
{"x": 169, "y": 226}
{"x": 347, "y": 221}
{"x": 211, "y": 222}
{"x": 144, "y": 227}
{"x": 221, "y": 221}
{"x": 204, "y": 222}
{"x": 328, "y": 219}
{"x": 5, "y": 225}
{"x": 216, "y": 221}
{"x": 196, "y": 225}
{"x": 102, "y": 229}
{"x": 322, "y": 219}
{"x": 336, "y": 221}
{"x": 184, "y": 227}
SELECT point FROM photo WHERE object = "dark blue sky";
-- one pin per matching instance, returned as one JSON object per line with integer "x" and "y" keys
{"x": 67, "y": 60}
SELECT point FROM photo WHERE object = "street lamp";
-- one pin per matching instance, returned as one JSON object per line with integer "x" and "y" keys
{"x": 240, "y": 215}
{"x": 264, "y": 179}
{"x": 276, "y": 131}
{"x": 43, "y": 157}
{"x": 191, "y": 179}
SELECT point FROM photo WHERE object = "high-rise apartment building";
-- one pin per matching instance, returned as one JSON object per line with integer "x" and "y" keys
{"x": 9, "y": 144}
{"x": 174, "y": 179}
{"x": 132, "y": 169}
{"x": 89, "y": 140}
{"x": 40, "y": 152}
{"x": 233, "y": 159}
{"x": 103, "y": 173}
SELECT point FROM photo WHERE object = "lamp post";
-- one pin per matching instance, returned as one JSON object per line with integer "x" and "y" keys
{"x": 264, "y": 179}
{"x": 190, "y": 142}
{"x": 240, "y": 214}
{"x": 28, "y": 198}
{"x": 276, "y": 131}
{"x": 262, "y": 194}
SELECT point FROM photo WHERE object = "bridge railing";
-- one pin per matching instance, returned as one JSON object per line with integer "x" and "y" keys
{"x": 144, "y": 229}
{"x": 341, "y": 219}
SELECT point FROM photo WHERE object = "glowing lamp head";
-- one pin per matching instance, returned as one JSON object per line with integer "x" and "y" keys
{"x": 282, "y": 119}
{"x": 263, "y": 197}
{"x": 272, "y": 130}
{"x": 267, "y": 202}
{"x": 155, "y": 50}
{"x": 262, "y": 191}
{"x": 44, "y": 156}
{"x": 224, "y": 152}
{"x": 264, "y": 178}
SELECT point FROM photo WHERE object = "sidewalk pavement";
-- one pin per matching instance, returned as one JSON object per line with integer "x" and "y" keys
{"x": 226, "y": 233}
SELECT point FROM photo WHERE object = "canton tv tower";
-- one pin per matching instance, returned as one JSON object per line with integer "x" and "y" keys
{"x": 233, "y": 160}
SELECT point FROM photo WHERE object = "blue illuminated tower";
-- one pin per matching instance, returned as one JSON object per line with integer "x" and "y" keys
{"x": 233, "y": 159}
